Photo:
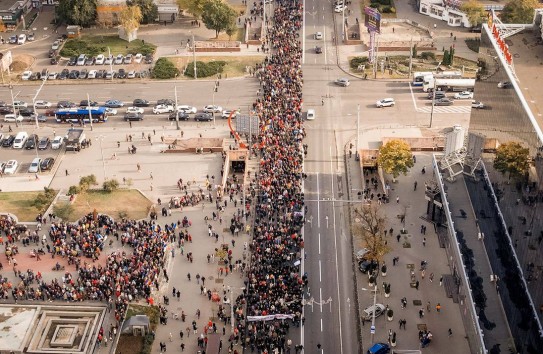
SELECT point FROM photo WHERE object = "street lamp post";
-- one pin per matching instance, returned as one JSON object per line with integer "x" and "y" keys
{"x": 433, "y": 97}
{"x": 100, "y": 138}
{"x": 13, "y": 104}
{"x": 89, "y": 109}
{"x": 372, "y": 328}
{"x": 34, "y": 102}
{"x": 194, "y": 56}
{"x": 215, "y": 89}
{"x": 176, "y": 111}
{"x": 110, "y": 62}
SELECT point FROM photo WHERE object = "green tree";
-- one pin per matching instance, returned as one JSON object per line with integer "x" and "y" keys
{"x": 149, "y": 10}
{"x": 512, "y": 158}
{"x": 519, "y": 11}
{"x": 414, "y": 51}
{"x": 371, "y": 229}
{"x": 63, "y": 210}
{"x": 194, "y": 7}
{"x": 164, "y": 69}
{"x": 451, "y": 55}
{"x": 446, "y": 58}
{"x": 110, "y": 185}
{"x": 86, "y": 182}
{"x": 218, "y": 16}
{"x": 475, "y": 11}
{"x": 130, "y": 18}
{"x": 395, "y": 157}
{"x": 77, "y": 12}
{"x": 42, "y": 200}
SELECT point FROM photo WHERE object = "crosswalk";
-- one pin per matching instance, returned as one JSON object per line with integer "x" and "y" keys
{"x": 445, "y": 109}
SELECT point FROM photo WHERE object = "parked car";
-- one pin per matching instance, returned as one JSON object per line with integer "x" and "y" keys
{"x": 57, "y": 142}
{"x": 121, "y": 74}
{"x": 99, "y": 60}
{"x": 118, "y": 59}
{"x": 444, "y": 102}
{"x": 44, "y": 73}
{"x": 203, "y": 117}
{"x": 108, "y": 60}
{"x": 64, "y": 74}
{"x": 35, "y": 76}
{"x": 55, "y": 45}
{"x": 212, "y": 109}
{"x": 360, "y": 254}
{"x": 133, "y": 116}
{"x": 47, "y": 164}
{"x": 31, "y": 37}
{"x": 83, "y": 74}
{"x": 90, "y": 61}
{"x": 477, "y": 104}
{"x": 134, "y": 110}
{"x": 110, "y": 75}
{"x": 385, "y": 102}
{"x": 11, "y": 167}
{"x": 187, "y": 108}
{"x": 74, "y": 74}
{"x": 463, "y": 95}
{"x": 310, "y": 114}
{"x": 140, "y": 102}
{"x": 340, "y": 8}
{"x": 161, "y": 108}
{"x": 149, "y": 59}
{"x": 13, "y": 39}
{"x": 26, "y": 75}
{"x": 128, "y": 59}
{"x": 182, "y": 115}
{"x": 8, "y": 141}
{"x": 6, "y": 110}
{"x": 34, "y": 165}
{"x": 92, "y": 74}
{"x": 137, "y": 58}
{"x": 379, "y": 348}
{"x": 72, "y": 61}
{"x": 55, "y": 60}
{"x": 343, "y": 82}
{"x": 368, "y": 266}
{"x": 43, "y": 143}
{"x": 367, "y": 313}
{"x": 52, "y": 76}
{"x": 31, "y": 142}
{"x": 131, "y": 74}
{"x": 114, "y": 103}
{"x": 101, "y": 74}
{"x": 19, "y": 104}
{"x": 12, "y": 118}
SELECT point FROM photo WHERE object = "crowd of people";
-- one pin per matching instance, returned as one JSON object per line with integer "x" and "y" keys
{"x": 274, "y": 285}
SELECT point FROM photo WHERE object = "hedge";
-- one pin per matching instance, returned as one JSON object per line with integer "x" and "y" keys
{"x": 205, "y": 69}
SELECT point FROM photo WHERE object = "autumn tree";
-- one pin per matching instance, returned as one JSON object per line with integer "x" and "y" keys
{"x": 194, "y": 7}
{"x": 218, "y": 16}
{"x": 130, "y": 18}
{"x": 512, "y": 158}
{"x": 395, "y": 157}
{"x": 149, "y": 10}
{"x": 77, "y": 12}
{"x": 519, "y": 11}
{"x": 371, "y": 229}
{"x": 475, "y": 12}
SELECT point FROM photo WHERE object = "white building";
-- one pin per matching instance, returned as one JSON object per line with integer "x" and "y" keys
{"x": 445, "y": 10}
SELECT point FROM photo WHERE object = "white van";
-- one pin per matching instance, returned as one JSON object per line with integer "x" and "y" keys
{"x": 20, "y": 140}
{"x": 21, "y": 39}
{"x": 310, "y": 114}
{"x": 81, "y": 60}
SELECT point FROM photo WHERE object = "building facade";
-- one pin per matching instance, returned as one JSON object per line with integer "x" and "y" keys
{"x": 444, "y": 10}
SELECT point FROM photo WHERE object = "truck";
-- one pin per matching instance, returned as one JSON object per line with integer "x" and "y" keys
{"x": 74, "y": 139}
{"x": 447, "y": 84}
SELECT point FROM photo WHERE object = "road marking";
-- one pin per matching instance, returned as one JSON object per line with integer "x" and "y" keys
{"x": 445, "y": 109}
{"x": 320, "y": 298}
{"x": 321, "y": 324}
{"x": 320, "y": 270}
{"x": 413, "y": 97}
{"x": 319, "y": 243}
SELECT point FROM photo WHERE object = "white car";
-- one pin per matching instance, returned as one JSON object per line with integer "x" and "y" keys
{"x": 212, "y": 109}
{"x": 55, "y": 45}
{"x": 100, "y": 58}
{"x": 13, "y": 118}
{"x": 57, "y": 142}
{"x": 131, "y": 74}
{"x": 340, "y": 8}
{"x": 187, "y": 109}
{"x": 367, "y": 314}
{"x": 385, "y": 102}
{"x": 162, "y": 108}
{"x": 310, "y": 114}
{"x": 318, "y": 35}
{"x": 226, "y": 113}
{"x": 108, "y": 60}
{"x": 111, "y": 111}
{"x": 34, "y": 165}
{"x": 119, "y": 59}
{"x": 43, "y": 104}
{"x": 137, "y": 58}
{"x": 52, "y": 76}
{"x": 134, "y": 110}
{"x": 464, "y": 95}
{"x": 477, "y": 104}
{"x": 26, "y": 75}
{"x": 19, "y": 104}
{"x": 11, "y": 167}
{"x": 92, "y": 74}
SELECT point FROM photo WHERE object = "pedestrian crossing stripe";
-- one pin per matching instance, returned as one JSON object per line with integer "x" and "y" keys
{"x": 445, "y": 109}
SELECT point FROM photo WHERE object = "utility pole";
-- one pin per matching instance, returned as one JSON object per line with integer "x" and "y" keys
{"x": 194, "y": 57}
{"x": 357, "y": 130}
{"x": 89, "y": 108}
{"x": 176, "y": 111}
{"x": 410, "y": 56}
{"x": 34, "y": 102}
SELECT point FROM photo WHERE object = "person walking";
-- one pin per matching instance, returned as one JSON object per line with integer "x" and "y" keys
{"x": 438, "y": 307}
{"x": 450, "y": 332}
{"x": 415, "y": 186}
{"x": 397, "y": 200}
{"x": 417, "y": 285}
{"x": 424, "y": 242}
{"x": 421, "y": 313}
{"x": 440, "y": 281}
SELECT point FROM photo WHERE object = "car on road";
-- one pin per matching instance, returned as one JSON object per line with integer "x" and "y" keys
{"x": 137, "y": 58}
{"x": 339, "y": 8}
{"x": 11, "y": 167}
{"x": 226, "y": 113}
{"x": 161, "y": 108}
{"x": 133, "y": 116}
{"x": 310, "y": 114}
{"x": 34, "y": 165}
{"x": 505, "y": 84}
{"x": 187, "y": 108}
{"x": 181, "y": 115}
{"x": 318, "y": 50}
{"x": 40, "y": 117}
{"x": 111, "y": 111}
{"x": 439, "y": 94}
{"x": 318, "y": 35}
{"x": 57, "y": 142}
{"x": 26, "y": 75}
{"x": 43, "y": 143}
{"x": 368, "y": 265}
{"x": 65, "y": 104}
{"x": 444, "y": 102}
{"x": 27, "y": 111}
{"x": 19, "y": 104}
{"x": 203, "y": 117}
{"x": 99, "y": 60}
{"x": 367, "y": 313}
{"x": 463, "y": 95}
{"x": 12, "y": 118}
{"x": 114, "y": 103}
{"x": 379, "y": 348}
{"x": 55, "y": 45}
{"x": 85, "y": 103}
{"x": 385, "y": 102}
{"x": 166, "y": 101}
{"x": 43, "y": 104}
{"x": 140, "y": 102}
{"x": 47, "y": 163}
{"x": 8, "y": 141}
{"x": 108, "y": 60}
{"x": 342, "y": 82}
{"x": 477, "y": 104}
{"x": 212, "y": 109}
{"x": 118, "y": 59}
{"x": 31, "y": 142}
{"x": 138, "y": 110}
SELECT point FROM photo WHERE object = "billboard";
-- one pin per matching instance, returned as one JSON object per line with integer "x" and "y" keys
{"x": 372, "y": 19}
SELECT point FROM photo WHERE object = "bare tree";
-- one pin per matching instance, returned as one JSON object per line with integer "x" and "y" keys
{"x": 371, "y": 229}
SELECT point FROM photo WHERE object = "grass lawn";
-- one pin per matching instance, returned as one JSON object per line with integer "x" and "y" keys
{"x": 365, "y": 3}
{"x": 19, "y": 204}
{"x": 128, "y": 201}
{"x": 94, "y": 45}
{"x": 238, "y": 36}
{"x": 235, "y": 66}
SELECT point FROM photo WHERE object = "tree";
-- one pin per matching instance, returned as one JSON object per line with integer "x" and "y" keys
{"x": 42, "y": 200}
{"x": 395, "y": 157}
{"x": 512, "y": 158}
{"x": 77, "y": 12}
{"x": 195, "y": 7}
{"x": 63, "y": 211}
{"x": 149, "y": 10}
{"x": 86, "y": 182}
{"x": 475, "y": 11}
{"x": 164, "y": 69}
{"x": 446, "y": 58}
{"x": 130, "y": 18}
{"x": 371, "y": 229}
{"x": 110, "y": 185}
{"x": 218, "y": 16}
{"x": 519, "y": 11}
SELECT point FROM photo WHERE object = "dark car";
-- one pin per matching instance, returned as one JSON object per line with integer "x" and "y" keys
{"x": 83, "y": 74}
{"x": 44, "y": 73}
{"x": 203, "y": 117}
{"x": 64, "y": 74}
{"x": 35, "y": 76}
{"x": 182, "y": 115}
{"x": 55, "y": 60}
{"x": 149, "y": 59}
{"x": 8, "y": 141}
{"x": 53, "y": 53}
{"x": 140, "y": 102}
{"x": 47, "y": 163}
{"x": 43, "y": 143}
{"x": 166, "y": 102}
{"x": 6, "y": 110}
{"x": 72, "y": 61}
{"x": 318, "y": 49}
{"x": 85, "y": 103}
{"x": 121, "y": 74}
{"x": 41, "y": 118}
{"x": 368, "y": 266}
{"x": 439, "y": 94}
{"x": 3, "y": 104}
{"x": 100, "y": 74}
{"x": 27, "y": 111}
{"x": 31, "y": 142}
{"x": 65, "y": 104}
{"x": 444, "y": 102}
{"x": 505, "y": 84}
{"x": 74, "y": 74}
{"x": 90, "y": 61}
{"x": 133, "y": 116}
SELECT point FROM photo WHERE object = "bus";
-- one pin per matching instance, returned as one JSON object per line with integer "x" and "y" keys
{"x": 418, "y": 77}
{"x": 447, "y": 84}
{"x": 81, "y": 115}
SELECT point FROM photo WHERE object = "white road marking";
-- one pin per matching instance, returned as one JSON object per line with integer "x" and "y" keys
{"x": 413, "y": 97}
{"x": 320, "y": 270}
{"x": 320, "y": 298}
{"x": 446, "y": 109}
